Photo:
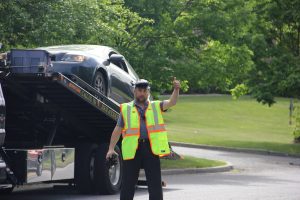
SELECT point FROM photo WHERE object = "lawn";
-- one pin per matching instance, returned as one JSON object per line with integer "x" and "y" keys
{"x": 190, "y": 162}
{"x": 219, "y": 120}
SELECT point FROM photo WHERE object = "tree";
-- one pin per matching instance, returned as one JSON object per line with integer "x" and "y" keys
{"x": 276, "y": 50}
{"x": 31, "y": 23}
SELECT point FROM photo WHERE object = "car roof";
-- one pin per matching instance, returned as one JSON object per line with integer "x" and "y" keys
{"x": 96, "y": 50}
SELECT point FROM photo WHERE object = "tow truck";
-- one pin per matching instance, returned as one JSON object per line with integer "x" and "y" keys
{"x": 55, "y": 128}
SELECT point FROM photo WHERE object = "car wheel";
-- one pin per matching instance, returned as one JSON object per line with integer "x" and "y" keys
{"x": 108, "y": 176}
{"x": 100, "y": 83}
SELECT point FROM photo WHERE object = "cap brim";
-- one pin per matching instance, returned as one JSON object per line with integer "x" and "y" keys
{"x": 142, "y": 86}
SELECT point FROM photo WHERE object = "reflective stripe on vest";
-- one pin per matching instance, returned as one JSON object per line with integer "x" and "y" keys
{"x": 157, "y": 133}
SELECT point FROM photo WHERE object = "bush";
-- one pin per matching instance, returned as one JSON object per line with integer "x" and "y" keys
{"x": 296, "y": 131}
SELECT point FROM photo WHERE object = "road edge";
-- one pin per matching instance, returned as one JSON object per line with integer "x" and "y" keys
{"x": 223, "y": 168}
{"x": 233, "y": 149}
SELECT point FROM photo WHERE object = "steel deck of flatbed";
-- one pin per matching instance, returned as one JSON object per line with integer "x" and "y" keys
{"x": 85, "y": 108}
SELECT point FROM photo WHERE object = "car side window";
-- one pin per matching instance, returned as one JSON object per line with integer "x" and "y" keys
{"x": 121, "y": 64}
{"x": 131, "y": 70}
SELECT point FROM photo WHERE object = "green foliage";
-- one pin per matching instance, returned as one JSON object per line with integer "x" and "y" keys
{"x": 238, "y": 91}
{"x": 190, "y": 162}
{"x": 31, "y": 23}
{"x": 296, "y": 131}
{"x": 222, "y": 66}
{"x": 276, "y": 45}
{"x": 212, "y": 45}
{"x": 184, "y": 85}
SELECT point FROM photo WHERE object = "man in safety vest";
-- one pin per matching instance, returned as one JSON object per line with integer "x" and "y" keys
{"x": 144, "y": 139}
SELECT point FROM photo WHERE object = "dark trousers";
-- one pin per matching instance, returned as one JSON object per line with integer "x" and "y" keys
{"x": 151, "y": 163}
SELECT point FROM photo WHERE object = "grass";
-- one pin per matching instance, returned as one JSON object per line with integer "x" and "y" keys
{"x": 221, "y": 121}
{"x": 190, "y": 162}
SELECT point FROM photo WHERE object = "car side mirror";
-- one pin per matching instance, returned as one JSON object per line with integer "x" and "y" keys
{"x": 116, "y": 58}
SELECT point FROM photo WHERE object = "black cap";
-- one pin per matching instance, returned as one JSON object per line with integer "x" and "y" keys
{"x": 142, "y": 83}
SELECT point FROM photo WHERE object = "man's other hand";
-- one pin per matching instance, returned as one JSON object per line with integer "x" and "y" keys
{"x": 110, "y": 153}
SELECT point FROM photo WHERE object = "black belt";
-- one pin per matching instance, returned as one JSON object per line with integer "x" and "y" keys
{"x": 143, "y": 140}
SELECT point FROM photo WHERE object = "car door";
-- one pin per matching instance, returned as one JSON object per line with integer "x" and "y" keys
{"x": 122, "y": 83}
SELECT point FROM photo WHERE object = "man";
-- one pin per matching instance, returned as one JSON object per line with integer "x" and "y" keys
{"x": 144, "y": 139}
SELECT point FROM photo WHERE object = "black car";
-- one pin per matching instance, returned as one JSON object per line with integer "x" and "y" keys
{"x": 100, "y": 66}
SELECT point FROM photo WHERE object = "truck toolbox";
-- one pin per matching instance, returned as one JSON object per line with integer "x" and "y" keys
{"x": 38, "y": 165}
{"x": 29, "y": 61}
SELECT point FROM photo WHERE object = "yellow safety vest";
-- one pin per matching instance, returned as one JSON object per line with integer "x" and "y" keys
{"x": 157, "y": 133}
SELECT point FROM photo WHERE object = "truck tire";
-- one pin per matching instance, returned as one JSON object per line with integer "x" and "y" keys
{"x": 107, "y": 178}
{"x": 84, "y": 167}
{"x": 8, "y": 190}
{"x": 93, "y": 175}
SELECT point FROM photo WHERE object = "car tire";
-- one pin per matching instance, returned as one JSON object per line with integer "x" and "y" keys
{"x": 108, "y": 178}
{"x": 100, "y": 83}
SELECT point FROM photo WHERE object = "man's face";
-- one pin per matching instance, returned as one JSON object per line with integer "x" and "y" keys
{"x": 141, "y": 94}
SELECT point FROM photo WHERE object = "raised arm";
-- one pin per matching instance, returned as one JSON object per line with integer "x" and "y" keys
{"x": 173, "y": 98}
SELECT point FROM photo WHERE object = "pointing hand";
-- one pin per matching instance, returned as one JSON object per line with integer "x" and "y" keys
{"x": 176, "y": 83}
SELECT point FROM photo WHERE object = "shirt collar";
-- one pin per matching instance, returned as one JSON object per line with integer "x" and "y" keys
{"x": 136, "y": 104}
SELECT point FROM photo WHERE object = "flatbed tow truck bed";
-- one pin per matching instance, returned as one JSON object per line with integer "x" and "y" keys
{"x": 68, "y": 94}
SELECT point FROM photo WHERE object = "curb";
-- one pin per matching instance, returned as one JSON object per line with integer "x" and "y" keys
{"x": 233, "y": 149}
{"x": 224, "y": 168}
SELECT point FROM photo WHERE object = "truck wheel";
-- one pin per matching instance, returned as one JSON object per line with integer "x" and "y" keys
{"x": 85, "y": 167}
{"x": 108, "y": 178}
{"x": 6, "y": 190}
{"x": 92, "y": 173}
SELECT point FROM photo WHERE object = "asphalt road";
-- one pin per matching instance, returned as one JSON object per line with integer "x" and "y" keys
{"x": 254, "y": 177}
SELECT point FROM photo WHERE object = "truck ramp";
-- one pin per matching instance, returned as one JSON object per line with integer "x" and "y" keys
{"x": 67, "y": 100}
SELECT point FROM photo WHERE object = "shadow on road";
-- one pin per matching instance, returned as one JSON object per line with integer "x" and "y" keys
{"x": 63, "y": 192}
